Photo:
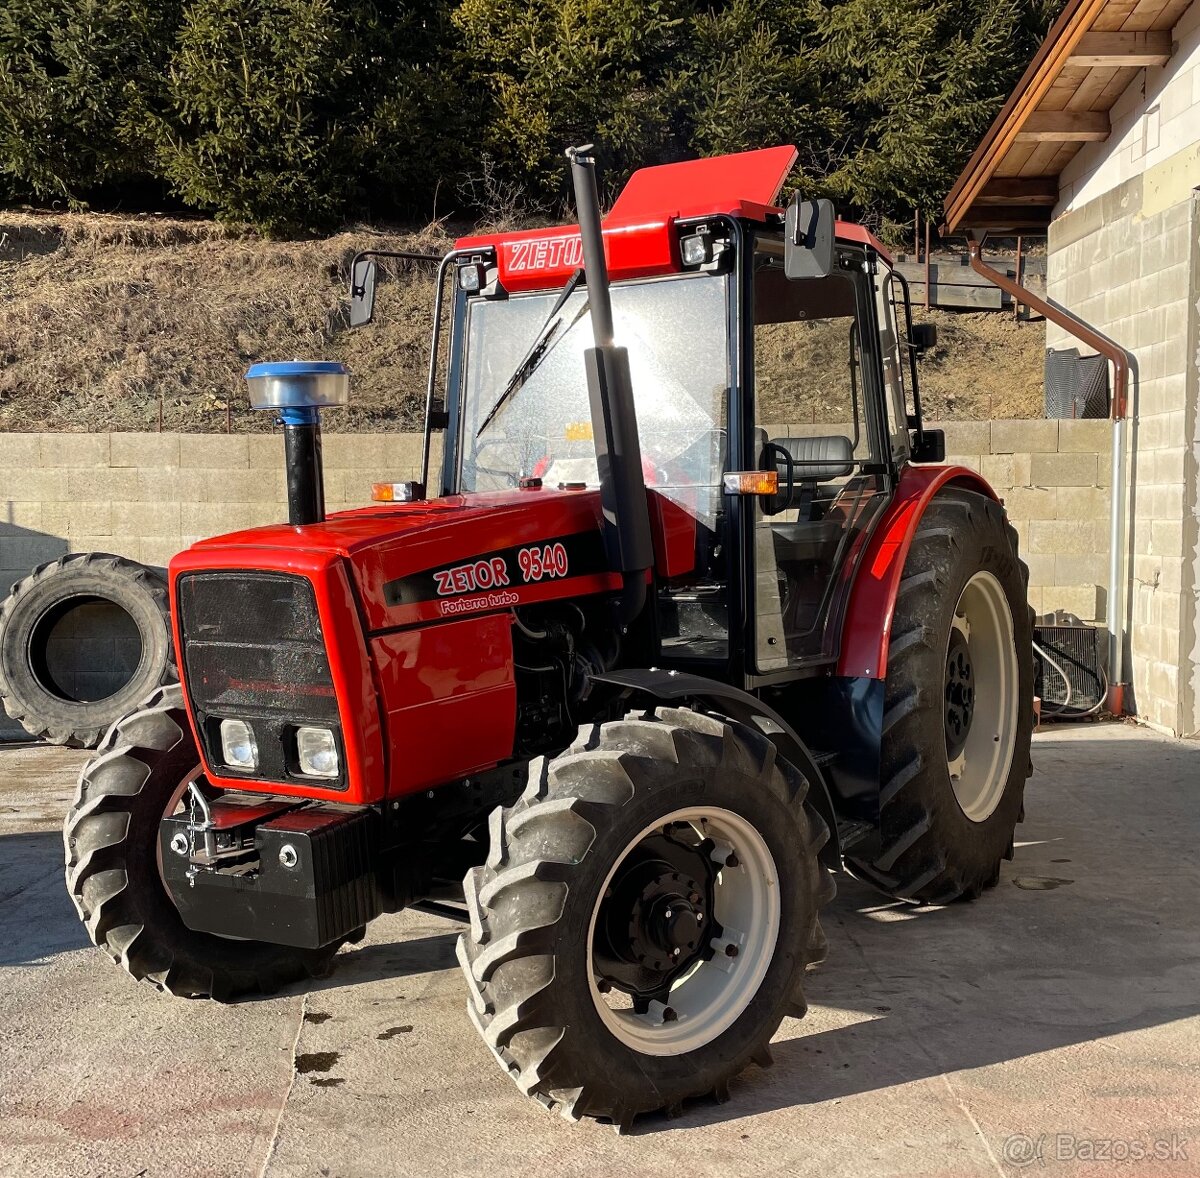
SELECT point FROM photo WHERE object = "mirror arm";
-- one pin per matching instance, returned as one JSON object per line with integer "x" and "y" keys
{"x": 403, "y": 255}
{"x": 912, "y": 358}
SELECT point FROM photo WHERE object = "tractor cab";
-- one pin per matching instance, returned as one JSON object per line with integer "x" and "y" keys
{"x": 772, "y": 363}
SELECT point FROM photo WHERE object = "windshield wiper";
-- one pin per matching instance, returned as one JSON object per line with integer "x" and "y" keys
{"x": 542, "y": 344}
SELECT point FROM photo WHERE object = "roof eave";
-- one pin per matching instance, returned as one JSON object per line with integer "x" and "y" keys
{"x": 1073, "y": 22}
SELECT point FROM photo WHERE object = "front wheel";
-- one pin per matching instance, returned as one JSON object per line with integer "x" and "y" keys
{"x": 114, "y": 875}
{"x": 644, "y": 918}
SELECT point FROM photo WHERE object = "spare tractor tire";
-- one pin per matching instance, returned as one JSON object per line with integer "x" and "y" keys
{"x": 83, "y": 640}
{"x": 958, "y": 707}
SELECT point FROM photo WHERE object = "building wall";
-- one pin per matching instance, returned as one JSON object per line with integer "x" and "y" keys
{"x": 1130, "y": 269}
{"x": 1124, "y": 256}
{"x": 1155, "y": 129}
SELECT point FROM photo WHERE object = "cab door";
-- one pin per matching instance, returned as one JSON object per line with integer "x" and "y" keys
{"x": 819, "y": 419}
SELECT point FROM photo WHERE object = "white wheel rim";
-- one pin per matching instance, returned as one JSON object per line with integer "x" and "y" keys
{"x": 979, "y": 770}
{"x": 710, "y": 996}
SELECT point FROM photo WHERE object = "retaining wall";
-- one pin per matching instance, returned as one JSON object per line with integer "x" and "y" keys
{"x": 146, "y": 496}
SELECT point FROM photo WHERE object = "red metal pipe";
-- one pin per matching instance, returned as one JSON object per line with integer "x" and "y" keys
{"x": 1064, "y": 319}
{"x": 1120, "y": 362}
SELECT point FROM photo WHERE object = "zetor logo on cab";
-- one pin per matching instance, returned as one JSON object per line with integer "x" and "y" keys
{"x": 547, "y": 253}
{"x": 535, "y": 564}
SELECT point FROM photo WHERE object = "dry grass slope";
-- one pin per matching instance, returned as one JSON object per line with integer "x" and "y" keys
{"x": 103, "y": 317}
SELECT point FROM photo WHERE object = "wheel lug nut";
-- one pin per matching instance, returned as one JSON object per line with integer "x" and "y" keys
{"x": 732, "y": 861}
{"x": 731, "y": 950}
{"x": 669, "y": 1015}
{"x": 694, "y": 897}
{"x": 604, "y": 985}
{"x": 674, "y": 952}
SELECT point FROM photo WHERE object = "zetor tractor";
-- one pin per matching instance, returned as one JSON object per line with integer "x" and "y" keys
{"x": 686, "y": 619}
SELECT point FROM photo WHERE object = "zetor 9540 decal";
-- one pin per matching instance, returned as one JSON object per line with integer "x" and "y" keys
{"x": 607, "y": 684}
{"x": 517, "y": 566}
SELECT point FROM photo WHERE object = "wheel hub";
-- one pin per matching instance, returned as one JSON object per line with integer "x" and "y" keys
{"x": 656, "y": 919}
{"x": 959, "y": 694}
{"x": 674, "y": 922}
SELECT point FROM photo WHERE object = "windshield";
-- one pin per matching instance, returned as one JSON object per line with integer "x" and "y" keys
{"x": 676, "y": 333}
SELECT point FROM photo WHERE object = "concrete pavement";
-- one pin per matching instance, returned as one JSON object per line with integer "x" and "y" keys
{"x": 1051, "y": 1026}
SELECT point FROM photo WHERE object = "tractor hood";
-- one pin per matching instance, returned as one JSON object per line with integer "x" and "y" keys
{"x": 430, "y": 560}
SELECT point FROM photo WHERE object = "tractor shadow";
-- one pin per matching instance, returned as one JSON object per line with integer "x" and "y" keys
{"x": 378, "y": 961}
{"x": 37, "y": 918}
{"x": 1092, "y": 932}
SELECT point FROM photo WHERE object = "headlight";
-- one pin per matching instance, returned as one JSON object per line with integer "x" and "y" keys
{"x": 471, "y": 277}
{"x": 238, "y": 746}
{"x": 316, "y": 751}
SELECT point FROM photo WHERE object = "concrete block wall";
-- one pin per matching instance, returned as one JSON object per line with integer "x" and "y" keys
{"x": 1131, "y": 268}
{"x": 1054, "y": 478}
{"x": 147, "y": 496}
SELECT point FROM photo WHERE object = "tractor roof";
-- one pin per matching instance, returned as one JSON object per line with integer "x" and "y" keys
{"x": 639, "y": 235}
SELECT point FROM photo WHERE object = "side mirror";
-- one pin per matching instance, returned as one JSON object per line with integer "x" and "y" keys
{"x": 808, "y": 239}
{"x": 929, "y": 446}
{"x": 362, "y": 292}
{"x": 922, "y": 337}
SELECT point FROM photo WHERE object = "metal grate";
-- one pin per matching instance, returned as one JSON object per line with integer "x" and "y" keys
{"x": 253, "y": 651}
{"x": 1076, "y": 386}
{"x": 1079, "y": 652}
{"x": 252, "y": 641}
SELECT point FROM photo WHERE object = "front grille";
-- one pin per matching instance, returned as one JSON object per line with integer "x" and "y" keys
{"x": 253, "y": 650}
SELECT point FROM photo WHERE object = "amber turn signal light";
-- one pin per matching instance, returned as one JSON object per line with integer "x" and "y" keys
{"x": 397, "y": 492}
{"x": 751, "y": 482}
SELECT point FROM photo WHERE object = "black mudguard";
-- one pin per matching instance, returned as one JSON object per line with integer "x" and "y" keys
{"x": 746, "y": 709}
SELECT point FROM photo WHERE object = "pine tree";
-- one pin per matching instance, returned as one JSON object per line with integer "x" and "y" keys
{"x": 79, "y": 82}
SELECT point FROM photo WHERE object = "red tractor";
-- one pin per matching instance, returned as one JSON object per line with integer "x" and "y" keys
{"x": 688, "y": 618}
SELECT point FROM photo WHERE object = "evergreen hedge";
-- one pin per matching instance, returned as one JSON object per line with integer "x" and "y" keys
{"x": 295, "y": 115}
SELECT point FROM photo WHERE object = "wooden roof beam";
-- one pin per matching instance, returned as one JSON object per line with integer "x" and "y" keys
{"x": 1065, "y": 126}
{"x": 995, "y": 219}
{"x": 1019, "y": 190}
{"x": 1121, "y": 50}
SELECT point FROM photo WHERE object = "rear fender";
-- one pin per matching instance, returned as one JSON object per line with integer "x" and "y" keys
{"x": 677, "y": 686}
{"x": 868, "y": 625}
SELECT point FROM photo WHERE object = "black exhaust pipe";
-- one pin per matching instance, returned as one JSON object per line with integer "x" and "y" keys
{"x": 302, "y": 461}
{"x": 627, "y": 537}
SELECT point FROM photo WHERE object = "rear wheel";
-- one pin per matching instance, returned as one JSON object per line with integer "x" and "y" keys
{"x": 958, "y": 711}
{"x": 645, "y": 915}
{"x": 142, "y": 769}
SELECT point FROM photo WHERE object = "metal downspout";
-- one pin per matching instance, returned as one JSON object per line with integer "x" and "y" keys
{"x": 1116, "y": 532}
